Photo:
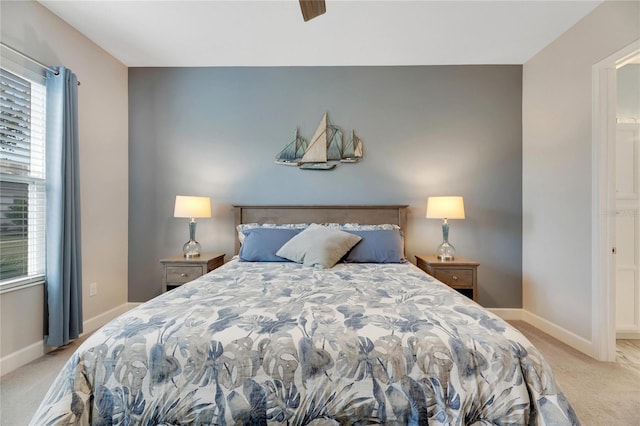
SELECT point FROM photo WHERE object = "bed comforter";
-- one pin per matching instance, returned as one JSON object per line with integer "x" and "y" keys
{"x": 281, "y": 343}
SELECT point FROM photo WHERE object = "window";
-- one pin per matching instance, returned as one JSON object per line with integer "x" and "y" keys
{"x": 22, "y": 180}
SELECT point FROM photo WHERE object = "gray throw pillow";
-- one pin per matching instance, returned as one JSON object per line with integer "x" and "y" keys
{"x": 318, "y": 246}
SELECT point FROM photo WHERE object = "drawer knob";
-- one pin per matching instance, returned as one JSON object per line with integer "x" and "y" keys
{"x": 183, "y": 275}
{"x": 454, "y": 277}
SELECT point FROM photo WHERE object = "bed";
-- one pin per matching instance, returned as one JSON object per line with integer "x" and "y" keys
{"x": 259, "y": 342}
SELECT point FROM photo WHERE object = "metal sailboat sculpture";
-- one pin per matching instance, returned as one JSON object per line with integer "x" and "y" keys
{"x": 326, "y": 144}
{"x": 324, "y": 151}
{"x": 352, "y": 150}
{"x": 293, "y": 152}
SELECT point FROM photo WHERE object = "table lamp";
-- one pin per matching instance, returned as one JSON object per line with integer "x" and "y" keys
{"x": 192, "y": 207}
{"x": 445, "y": 208}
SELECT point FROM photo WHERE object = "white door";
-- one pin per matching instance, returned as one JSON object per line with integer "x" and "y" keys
{"x": 627, "y": 175}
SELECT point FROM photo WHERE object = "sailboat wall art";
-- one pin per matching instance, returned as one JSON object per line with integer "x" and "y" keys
{"x": 293, "y": 152}
{"x": 323, "y": 151}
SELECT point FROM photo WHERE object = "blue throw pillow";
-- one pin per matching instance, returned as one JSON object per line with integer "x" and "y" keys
{"x": 377, "y": 246}
{"x": 261, "y": 244}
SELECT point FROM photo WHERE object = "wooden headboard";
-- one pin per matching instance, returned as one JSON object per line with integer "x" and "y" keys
{"x": 366, "y": 215}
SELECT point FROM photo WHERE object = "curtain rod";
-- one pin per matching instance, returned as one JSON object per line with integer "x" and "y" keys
{"x": 29, "y": 58}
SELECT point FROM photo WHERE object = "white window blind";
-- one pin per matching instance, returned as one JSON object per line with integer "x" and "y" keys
{"x": 22, "y": 180}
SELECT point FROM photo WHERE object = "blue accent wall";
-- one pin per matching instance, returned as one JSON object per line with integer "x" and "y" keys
{"x": 427, "y": 130}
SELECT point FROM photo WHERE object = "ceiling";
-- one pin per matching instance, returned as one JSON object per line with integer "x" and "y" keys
{"x": 356, "y": 32}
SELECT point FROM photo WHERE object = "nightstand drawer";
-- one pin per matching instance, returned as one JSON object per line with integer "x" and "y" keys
{"x": 455, "y": 277}
{"x": 182, "y": 274}
{"x": 459, "y": 274}
{"x": 178, "y": 270}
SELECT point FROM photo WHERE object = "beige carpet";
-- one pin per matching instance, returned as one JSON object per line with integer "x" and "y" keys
{"x": 601, "y": 393}
{"x": 22, "y": 390}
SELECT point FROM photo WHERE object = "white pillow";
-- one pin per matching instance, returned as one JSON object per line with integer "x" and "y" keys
{"x": 318, "y": 246}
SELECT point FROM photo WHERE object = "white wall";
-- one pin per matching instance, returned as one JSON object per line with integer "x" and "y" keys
{"x": 103, "y": 131}
{"x": 557, "y": 176}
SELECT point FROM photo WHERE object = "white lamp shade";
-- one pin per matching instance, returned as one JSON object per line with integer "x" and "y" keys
{"x": 445, "y": 208}
{"x": 192, "y": 206}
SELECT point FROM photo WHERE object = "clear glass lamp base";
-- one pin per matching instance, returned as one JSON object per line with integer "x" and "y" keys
{"x": 445, "y": 251}
{"x": 191, "y": 249}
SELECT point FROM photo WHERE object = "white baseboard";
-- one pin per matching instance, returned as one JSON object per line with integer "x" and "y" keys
{"x": 92, "y": 324}
{"x": 578, "y": 343}
{"x": 631, "y": 335}
{"x": 34, "y": 351}
{"x": 23, "y": 356}
{"x": 565, "y": 336}
{"x": 508, "y": 314}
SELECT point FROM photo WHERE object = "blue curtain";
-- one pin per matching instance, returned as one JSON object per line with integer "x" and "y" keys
{"x": 63, "y": 279}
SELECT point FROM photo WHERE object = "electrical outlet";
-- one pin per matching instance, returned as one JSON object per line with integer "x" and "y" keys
{"x": 93, "y": 289}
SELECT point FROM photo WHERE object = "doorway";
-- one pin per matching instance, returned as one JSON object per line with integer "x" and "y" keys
{"x": 627, "y": 193}
{"x": 616, "y": 201}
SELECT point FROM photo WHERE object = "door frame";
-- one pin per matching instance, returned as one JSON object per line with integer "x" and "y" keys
{"x": 603, "y": 296}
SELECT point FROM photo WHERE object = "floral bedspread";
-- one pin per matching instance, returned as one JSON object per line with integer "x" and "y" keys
{"x": 281, "y": 343}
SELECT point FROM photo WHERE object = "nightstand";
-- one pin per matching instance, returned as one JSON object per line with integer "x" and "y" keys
{"x": 459, "y": 274}
{"x": 178, "y": 270}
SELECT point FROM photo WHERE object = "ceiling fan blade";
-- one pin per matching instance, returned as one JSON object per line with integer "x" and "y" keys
{"x": 312, "y": 8}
